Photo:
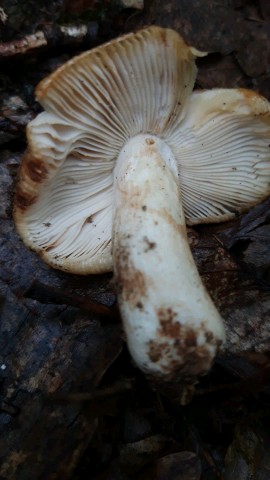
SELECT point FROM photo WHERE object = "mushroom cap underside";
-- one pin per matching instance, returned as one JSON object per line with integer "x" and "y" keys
{"x": 140, "y": 83}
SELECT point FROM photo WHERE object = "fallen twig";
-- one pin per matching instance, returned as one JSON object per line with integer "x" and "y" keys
{"x": 50, "y": 36}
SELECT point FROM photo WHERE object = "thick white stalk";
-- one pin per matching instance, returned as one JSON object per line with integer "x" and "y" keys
{"x": 172, "y": 327}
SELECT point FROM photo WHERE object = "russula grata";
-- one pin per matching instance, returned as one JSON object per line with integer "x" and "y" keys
{"x": 123, "y": 153}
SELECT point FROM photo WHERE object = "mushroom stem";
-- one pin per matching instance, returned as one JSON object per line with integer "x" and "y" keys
{"x": 172, "y": 327}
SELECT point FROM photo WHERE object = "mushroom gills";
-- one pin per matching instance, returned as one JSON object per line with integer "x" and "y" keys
{"x": 172, "y": 327}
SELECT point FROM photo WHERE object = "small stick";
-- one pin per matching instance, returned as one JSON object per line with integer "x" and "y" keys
{"x": 50, "y": 36}
{"x": 46, "y": 294}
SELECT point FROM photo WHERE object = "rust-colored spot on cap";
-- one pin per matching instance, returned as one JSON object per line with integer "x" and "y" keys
{"x": 36, "y": 170}
{"x": 149, "y": 141}
{"x": 258, "y": 104}
{"x": 249, "y": 94}
{"x": 32, "y": 172}
{"x": 23, "y": 200}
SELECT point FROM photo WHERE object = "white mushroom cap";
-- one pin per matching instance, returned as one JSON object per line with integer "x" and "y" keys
{"x": 140, "y": 83}
{"x": 94, "y": 104}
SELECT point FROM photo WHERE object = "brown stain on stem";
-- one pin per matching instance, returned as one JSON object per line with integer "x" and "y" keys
{"x": 131, "y": 283}
{"x": 176, "y": 348}
{"x": 180, "y": 228}
{"x": 168, "y": 326}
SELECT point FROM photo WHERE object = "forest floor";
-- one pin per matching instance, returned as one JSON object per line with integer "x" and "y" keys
{"x": 72, "y": 404}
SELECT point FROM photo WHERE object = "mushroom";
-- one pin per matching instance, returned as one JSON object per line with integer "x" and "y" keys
{"x": 122, "y": 157}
